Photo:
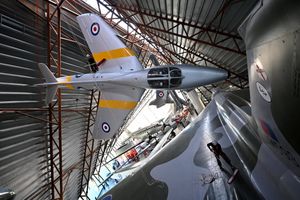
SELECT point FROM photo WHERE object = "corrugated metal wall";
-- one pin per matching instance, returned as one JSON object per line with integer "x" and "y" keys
{"x": 24, "y": 158}
{"x": 22, "y": 138}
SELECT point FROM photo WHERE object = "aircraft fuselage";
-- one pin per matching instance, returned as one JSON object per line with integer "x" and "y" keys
{"x": 167, "y": 77}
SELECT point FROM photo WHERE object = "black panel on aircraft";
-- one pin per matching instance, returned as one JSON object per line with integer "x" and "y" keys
{"x": 164, "y": 77}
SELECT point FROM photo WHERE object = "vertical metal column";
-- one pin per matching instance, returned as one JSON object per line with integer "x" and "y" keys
{"x": 89, "y": 147}
{"x": 55, "y": 117}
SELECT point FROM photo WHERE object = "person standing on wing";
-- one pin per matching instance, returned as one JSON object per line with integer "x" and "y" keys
{"x": 216, "y": 148}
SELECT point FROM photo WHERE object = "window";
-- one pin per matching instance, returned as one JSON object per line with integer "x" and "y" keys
{"x": 164, "y": 77}
{"x": 175, "y": 72}
{"x": 175, "y": 82}
{"x": 175, "y": 75}
{"x": 158, "y": 72}
{"x": 159, "y": 83}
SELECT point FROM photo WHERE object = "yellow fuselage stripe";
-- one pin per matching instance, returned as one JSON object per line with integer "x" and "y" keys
{"x": 67, "y": 82}
{"x": 117, "y": 104}
{"x": 113, "y": 54}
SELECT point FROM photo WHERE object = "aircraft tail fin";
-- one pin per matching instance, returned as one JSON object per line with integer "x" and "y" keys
{"x": 156, "y": 103}
{"x": 50, "y": 78}
{"x": 162, "y": 98}
{"x": 50, "y": 93}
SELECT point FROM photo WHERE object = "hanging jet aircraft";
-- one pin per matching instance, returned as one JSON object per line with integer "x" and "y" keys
{"x": 260, "y": 139}
{"x": 121, "y": 78}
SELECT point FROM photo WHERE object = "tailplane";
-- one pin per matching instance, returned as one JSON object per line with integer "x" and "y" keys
{"x": 50, "y": 93}
{"x": 49, "y": 77}
{"x": 50, "y": 84}
{"x": 162, "y": 98}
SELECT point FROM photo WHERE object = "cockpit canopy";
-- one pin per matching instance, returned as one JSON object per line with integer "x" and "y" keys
{"x": 164, "y": 77}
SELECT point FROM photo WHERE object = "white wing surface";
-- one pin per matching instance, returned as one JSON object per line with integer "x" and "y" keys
{"x": 117, "y": 101}
{"x": 114, "y": 106}
{"x": 105, "y": 44}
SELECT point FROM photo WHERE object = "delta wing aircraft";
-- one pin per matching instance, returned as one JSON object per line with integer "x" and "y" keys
{"x": 186, "y": 169}
{"x": 261, "y": 139}
{"x": 121, "y": 78}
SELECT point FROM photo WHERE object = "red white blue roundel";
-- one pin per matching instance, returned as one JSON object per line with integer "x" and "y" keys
{"x": 161, "y": 94}
{"x": 95, "y": 28}
{"x": 105, "y": 127}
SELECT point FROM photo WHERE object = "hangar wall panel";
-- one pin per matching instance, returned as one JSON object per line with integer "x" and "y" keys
{"x": 24, "y": 134}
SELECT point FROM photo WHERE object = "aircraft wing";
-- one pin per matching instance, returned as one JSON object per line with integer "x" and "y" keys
{"x": 106, "y": 46}
{"x": 114, "y": 106}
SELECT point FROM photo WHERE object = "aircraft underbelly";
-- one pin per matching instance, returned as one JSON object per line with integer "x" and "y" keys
{"x": 191, "y": 171}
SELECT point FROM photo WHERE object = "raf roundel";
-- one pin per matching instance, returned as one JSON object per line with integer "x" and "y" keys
{"x": 95, "y": 28}
{"x": 105, "y": 127}
{"x": 160, "y": 94}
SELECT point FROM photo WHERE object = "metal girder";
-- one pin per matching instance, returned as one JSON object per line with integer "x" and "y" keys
{"x": 89, "y": 147}
{"x": 99, "y": 157}
{"x": 201, "y": 29}
{"x": 55, "y": 129}
{"x": 219, "y": 14}
{"x": 216, "y": 44}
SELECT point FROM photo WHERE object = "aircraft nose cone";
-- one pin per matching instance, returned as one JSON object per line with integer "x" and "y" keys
{"x": 197, "y": 76}
{"x": 228, "y": 74}
{"x": 222, "y": 74}
{"x": 217, "y": 74}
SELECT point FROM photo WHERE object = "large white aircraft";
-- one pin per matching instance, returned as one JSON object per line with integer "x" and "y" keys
{"x": 121, "y": 78}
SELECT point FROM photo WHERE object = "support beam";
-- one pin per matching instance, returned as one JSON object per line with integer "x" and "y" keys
{"x": 55, "y": 117}
{"x": 89, "y": 147}
{"x": 181, "y": 22}
{"x": 176, "y": 22}
{"x": 191, "y": 37}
